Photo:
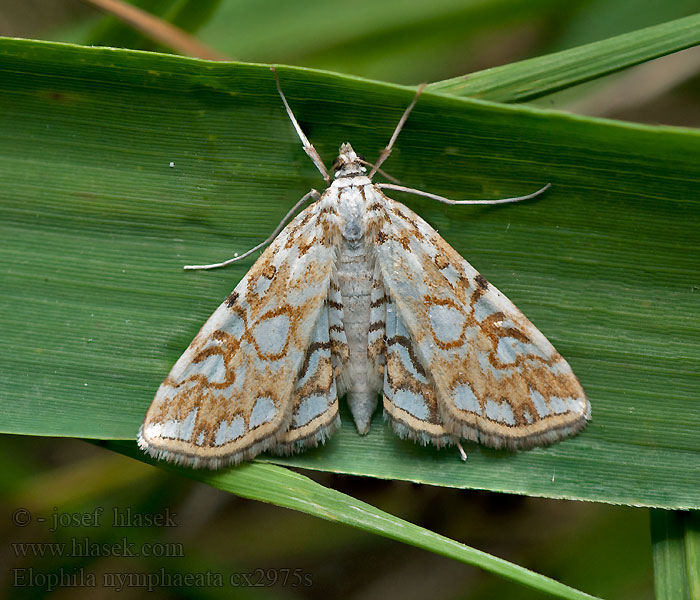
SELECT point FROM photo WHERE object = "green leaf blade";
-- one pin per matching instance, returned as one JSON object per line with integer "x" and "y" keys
{"x": 536, "y": 77}
{"x": 675, "y": 537}
{"x": 283, "y": 487}
{"x": 97, "y": 225}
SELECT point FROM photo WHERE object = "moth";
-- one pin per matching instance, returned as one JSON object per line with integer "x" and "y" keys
{"x": 356, "y": 297}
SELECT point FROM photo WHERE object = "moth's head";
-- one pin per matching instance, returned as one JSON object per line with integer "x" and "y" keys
{"x": 348, "y": 163}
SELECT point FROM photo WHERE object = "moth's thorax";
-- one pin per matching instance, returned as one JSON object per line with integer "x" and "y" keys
{"x": 347, "y": 182}
{"x": 350, "y": 197}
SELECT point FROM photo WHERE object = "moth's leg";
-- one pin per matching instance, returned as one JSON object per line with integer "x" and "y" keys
{"x": 462, "y": 453}
{"x": 308, "y": 146}
{"x": 312, "y": 194}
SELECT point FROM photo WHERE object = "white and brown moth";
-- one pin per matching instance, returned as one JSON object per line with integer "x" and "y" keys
{"x": 358, "y": 296}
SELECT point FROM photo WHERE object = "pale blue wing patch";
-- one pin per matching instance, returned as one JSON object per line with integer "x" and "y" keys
{"x": 229, "y": 431}
{"x": 177, "y": 429}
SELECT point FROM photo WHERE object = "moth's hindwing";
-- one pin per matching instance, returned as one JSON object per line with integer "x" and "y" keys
{"x": 315, "y": 403}
{"x": 465, "y": 363}
{"x": 410, "y": 400}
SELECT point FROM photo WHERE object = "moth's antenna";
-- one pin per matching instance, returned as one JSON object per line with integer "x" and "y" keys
{"x": 308, "y": 146}
{"x": 400, "y": 188}
{"x": 384, "y": 154}
{"x": 312, "y": 194}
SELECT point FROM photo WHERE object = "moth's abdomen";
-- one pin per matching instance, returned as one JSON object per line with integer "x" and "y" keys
{"x": 360, "y": 376}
